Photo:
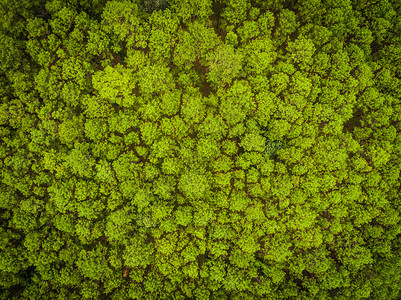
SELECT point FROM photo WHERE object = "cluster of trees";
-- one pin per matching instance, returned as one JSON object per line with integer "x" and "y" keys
{"x": 200, "y": 149}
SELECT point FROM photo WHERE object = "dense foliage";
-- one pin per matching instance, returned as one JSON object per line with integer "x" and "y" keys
{"x": 200, "y": 149}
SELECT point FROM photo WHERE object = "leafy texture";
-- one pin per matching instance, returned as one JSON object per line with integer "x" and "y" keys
{"x": 200, "y": 149}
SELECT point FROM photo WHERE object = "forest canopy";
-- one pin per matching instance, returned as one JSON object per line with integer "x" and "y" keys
{"x": 200, "y": 149}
